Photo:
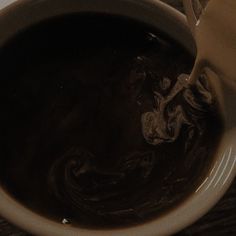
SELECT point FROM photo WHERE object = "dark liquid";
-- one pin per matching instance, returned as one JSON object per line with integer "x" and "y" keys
{"x": 75, "y": 140}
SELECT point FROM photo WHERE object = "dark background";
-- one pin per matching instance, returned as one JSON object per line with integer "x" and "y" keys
{"x": 220, "y": 221}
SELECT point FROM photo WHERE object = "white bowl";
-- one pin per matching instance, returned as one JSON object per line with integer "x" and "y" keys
{"x": 18, "y": 14}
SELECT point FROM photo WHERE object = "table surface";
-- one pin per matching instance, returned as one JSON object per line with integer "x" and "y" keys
{"x": 220, "y": 221}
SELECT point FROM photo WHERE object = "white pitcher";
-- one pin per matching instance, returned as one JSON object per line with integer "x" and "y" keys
{"x": 215, "y": 35}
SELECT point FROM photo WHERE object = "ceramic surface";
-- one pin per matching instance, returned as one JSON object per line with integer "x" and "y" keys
{"x": 18, "y": 14}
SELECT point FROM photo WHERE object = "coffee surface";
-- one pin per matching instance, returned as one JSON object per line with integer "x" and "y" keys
{"x": 97, "y": 127}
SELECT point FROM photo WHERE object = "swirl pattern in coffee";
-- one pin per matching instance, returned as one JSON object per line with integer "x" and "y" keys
{"x": 98, "y": 128}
